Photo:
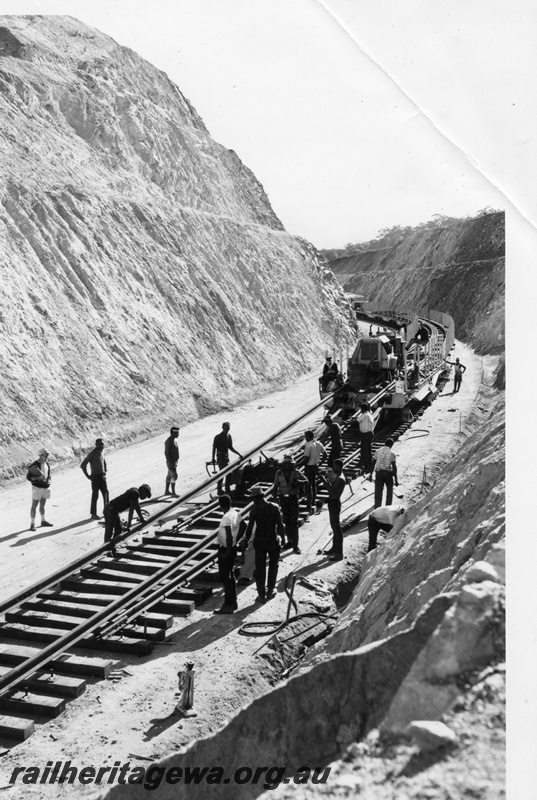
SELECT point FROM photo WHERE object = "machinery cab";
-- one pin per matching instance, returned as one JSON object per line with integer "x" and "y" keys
{"x": 376, "y": 362}
{"x": 371, "y": 361}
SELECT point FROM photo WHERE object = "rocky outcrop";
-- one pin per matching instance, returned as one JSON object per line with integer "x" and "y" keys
{"x": 459, "y": 524}
{"x": 458, "y": 268}
{"x": 146, "y": 277}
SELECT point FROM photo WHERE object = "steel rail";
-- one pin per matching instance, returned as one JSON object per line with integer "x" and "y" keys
{"x": 94, "y": 623}
{"x": 24, "y": 670}
{"x": 56, "y": 577}
{"x": 141, "y": 603}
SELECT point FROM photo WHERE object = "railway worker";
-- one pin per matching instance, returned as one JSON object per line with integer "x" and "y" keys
{"x": 129, "y": 500}
{"x": 385, "y": 468}
{"x": 97, "y": 476}
{"x": 334, "y": 432}
{"x": 313, "y": 452}
{"x": 336, "y": 484}
{"x": 366, "y": 424}
{"x": 459, "y": 370}
{"x": 222, "y": 444}
{"x": 171, "y": 454}
{"x": 288, "y": 484}
{"x": 330, "y": 373}
{"x": 39, "y": 475}
{"x": 227, "y": 551}
{"x": 382, "y": 518}
{"x": 266, "y": 522}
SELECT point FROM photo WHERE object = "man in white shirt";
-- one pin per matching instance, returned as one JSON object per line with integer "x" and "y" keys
{"x": 382, "y": 519}
{"x": 227, "y": 551}
{"x": 385, "y": 467}
{"x": 313, "y": 452}
{"x": 366, "y": 423}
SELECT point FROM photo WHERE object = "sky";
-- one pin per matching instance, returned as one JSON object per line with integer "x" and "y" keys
{"x": 354, "y": 115}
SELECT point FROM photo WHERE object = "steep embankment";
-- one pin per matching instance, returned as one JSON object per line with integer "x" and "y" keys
{"x": 457, "y": 268}
{"x": 145, "y": 277}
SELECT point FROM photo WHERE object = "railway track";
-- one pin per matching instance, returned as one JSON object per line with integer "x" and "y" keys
{"x": 127, "y": 604}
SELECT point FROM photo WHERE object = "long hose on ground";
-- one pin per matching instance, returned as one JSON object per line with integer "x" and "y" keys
{"x": 271, "y": 627}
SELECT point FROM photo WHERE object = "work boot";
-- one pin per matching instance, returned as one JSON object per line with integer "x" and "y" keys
{"x": 225, "y": 610}
{"x": 167, "y": 489}
{"x": 173, "y": 492}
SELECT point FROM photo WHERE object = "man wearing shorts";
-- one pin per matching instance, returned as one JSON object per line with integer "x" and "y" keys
{"x": 39, "y": 475}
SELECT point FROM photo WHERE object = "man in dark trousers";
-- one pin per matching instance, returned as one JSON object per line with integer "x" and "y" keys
{"x": 227, "y": 552}
{"x": 330, "y": 372}
{"x": 129, "y": 500}
{"x": 459, "y": 370}
{"x": 366, "y": 423}
{"x": 222, "y": 444}
{"x": 288, "y": 484}
{"x": 266, "y": 523}
{"x": 313, "y": 452}
{"x": 97, "y": 476}
{"x": 334, "y": 432}
{"x": 382, "y": 519}
{"x": 336, "y": 484}
{"x": 171, "y": 454}
{"x": 385, "y": 468}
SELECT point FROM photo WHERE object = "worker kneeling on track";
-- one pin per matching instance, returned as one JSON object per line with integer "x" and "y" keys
{"x": 128, "y": 500}
{"x": 266, "y": 521}
{"x": 382, "y": 518}
{"x": 227, "y": 551}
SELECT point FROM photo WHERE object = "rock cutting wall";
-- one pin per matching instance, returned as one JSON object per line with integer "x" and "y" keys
{"x": 457, "y": 268}
{"x": 145, "y": 276}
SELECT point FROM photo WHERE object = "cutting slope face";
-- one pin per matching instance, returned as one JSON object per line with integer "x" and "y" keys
{"x": 457, "y": 268}
{"x": 145, "y": 277}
